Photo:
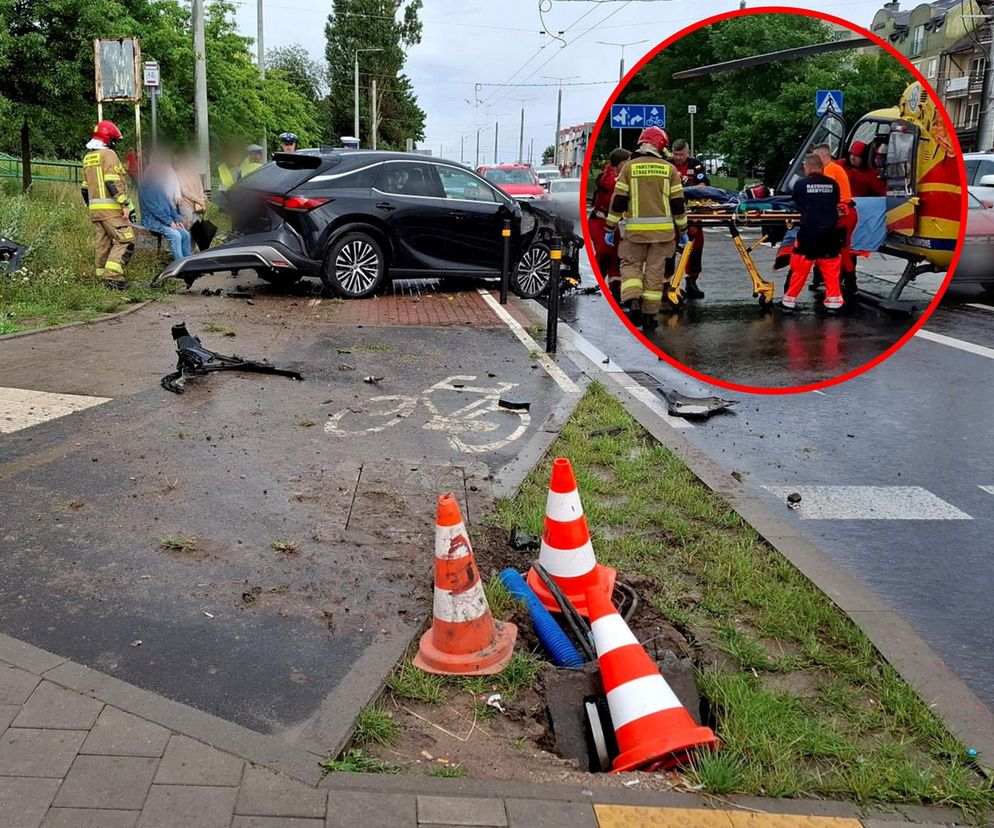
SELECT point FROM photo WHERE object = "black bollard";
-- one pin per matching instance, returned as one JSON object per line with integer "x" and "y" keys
{"x": 505, "y": 267}
{"x": 552, "y": 321}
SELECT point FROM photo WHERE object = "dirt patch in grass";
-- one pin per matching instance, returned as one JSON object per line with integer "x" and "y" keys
{"x": 805, "y": 705}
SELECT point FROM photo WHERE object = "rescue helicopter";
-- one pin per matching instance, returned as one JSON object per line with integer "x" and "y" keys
{"x": 918, "y": 161}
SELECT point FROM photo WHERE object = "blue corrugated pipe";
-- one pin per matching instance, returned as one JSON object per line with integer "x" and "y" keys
{"x": 563, "y": 653}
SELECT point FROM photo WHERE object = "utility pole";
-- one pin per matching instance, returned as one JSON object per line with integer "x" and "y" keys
{"x": 985, "y": 126}
{"x": 559, "y": 112}
{"x": 261, "y": 58}
{"x": 531, "y": 151}
{"x": 496, "y": 134}
{"x": 475, "y": 166}
{"x": 374, "y": 117}
{"x": 462, "y": 160}
{"x": 521, "y": 131}
{"x": 200, "y": 92}
{"x": 621, "y": 67}
{"x": 355, "y": 97}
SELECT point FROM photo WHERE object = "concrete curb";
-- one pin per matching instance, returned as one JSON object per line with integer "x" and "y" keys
{"x": 966, "y": 717}
{"x": 108, "y": 318}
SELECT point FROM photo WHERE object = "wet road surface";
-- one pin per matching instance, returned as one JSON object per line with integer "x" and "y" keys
{"x": 728, "y": 337}
{"x": 909, "y": 443}
{"x": 341, "y": 472}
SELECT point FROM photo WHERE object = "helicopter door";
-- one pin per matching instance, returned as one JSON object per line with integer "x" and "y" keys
{"x": 831, "y": 130}
{"x": 900, "y": 170}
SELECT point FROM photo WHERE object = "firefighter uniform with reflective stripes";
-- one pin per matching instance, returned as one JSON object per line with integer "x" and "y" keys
{"x": 105, "y": 192}
{"x": 650, "y": 196}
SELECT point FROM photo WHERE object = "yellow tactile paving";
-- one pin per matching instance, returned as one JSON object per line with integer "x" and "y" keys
{"x": 629, "y": 816}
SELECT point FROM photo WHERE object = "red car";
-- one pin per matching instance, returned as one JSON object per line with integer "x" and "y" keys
{"x": 976, "y": 265}
{"x": 517, "y": 180}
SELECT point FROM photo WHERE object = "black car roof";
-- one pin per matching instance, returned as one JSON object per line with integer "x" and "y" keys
{"x": 361, "y": 157}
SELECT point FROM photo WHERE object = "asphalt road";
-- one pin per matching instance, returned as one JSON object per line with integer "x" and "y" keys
{"x": 725, "y": 335}
{"x": 895, "y": 467}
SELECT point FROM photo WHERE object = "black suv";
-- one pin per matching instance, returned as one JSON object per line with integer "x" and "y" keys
{"x": 359, "y": 218}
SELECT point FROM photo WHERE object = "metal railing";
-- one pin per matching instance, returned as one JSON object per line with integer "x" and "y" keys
{"x": 65, "y": 172}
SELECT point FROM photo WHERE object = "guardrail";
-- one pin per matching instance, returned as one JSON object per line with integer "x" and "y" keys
{"x": 65, "y": 172}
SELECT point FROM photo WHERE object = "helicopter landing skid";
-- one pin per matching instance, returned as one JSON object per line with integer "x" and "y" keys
{"x": 892, "y": 302}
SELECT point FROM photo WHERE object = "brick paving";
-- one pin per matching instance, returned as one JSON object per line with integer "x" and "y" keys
{"x": 413, "y": 303}
{"x": 71, "y": 760}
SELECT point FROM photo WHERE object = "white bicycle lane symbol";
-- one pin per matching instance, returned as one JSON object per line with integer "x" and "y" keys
{"x": 465, "y": 428}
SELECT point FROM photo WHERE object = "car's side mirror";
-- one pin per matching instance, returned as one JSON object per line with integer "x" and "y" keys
{"x": 546, "y": 185}
{"x": 986, "y": 181}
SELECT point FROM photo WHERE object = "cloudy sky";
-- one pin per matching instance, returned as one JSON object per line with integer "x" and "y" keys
{"x": 469, "y": 42}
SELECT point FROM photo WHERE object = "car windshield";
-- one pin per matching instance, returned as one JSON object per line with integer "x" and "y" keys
{"x": 974, "y": 202}
{"x": 519, "y": 176}
{"x": 564, "y": 185}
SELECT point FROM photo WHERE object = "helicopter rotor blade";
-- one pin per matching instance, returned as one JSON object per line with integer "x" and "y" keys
{"x": 773, "y": 57}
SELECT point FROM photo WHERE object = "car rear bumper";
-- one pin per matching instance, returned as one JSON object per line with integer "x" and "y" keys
{"x": 261, "y": 252}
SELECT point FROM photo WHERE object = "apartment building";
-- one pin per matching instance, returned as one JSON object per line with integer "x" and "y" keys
{"x": 573, "y": 148}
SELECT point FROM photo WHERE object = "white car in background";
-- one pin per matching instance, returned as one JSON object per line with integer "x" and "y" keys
{"x": 980, "y": 173}
{"x": 547, "y": 173}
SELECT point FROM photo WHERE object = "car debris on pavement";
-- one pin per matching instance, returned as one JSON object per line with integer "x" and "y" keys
{"x": 680, "y": 405}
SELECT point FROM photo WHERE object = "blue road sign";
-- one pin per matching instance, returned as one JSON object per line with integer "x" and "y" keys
{"x": 828, "y": 100}
{"x": 637, "y": 116}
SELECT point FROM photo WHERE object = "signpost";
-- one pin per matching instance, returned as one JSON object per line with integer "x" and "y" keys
{"x": 828, "y": 100}
{"x": 154, "y": 86}
{"x": 637, "y": 116}
{"x": 118, "y": 77}
{"x": 692, "y": 111}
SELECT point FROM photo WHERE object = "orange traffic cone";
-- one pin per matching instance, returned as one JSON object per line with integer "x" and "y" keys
{"x": 652, "y": 728}
{"x": 566, "y": 553}
{"x": 464, "y": 639}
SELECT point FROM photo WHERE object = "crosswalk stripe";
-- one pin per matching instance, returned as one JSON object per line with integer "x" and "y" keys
{"x": 953, "y": 342}
{"x": 24, "y": 407}
{"x": 869, "y": 503}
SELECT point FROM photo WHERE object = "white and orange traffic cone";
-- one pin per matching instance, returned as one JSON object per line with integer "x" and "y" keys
{"x": 653, "y": 729}
{"x": 566, "y": 552}
{"x": 464, "y": 639}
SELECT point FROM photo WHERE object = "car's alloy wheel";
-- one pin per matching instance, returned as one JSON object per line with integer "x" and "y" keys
{"x": 534, "y": 269}
{"x": 355, "y": 266}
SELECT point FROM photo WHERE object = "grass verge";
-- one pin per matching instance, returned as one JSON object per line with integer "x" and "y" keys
{"x": 804, "y": 703}
{"x": 56, "y": 283}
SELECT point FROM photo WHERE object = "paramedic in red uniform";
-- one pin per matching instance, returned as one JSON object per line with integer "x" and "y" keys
{"x": 692, "y": 174}
{"x": 864, "y": 179}
{"x": 607, "y": 255}
{"x": 818, "y": 239}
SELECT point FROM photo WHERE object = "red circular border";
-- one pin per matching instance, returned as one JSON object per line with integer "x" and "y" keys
{"x": 792, "y": 389}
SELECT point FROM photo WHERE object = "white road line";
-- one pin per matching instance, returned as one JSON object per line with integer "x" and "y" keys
{"x": 553, "y": 370}
{"x": 988, "y": 489}
{"x": 960, "y": 344}
{"x": 611, "y": 369}
{"x": 869, "y": 503}
{"x": 980, "y": 306}
{"x": 23, "y": 407}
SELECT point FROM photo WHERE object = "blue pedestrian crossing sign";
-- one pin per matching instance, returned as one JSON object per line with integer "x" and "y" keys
{"x": 828, "y": 100}
{"x": 637, "y": 116}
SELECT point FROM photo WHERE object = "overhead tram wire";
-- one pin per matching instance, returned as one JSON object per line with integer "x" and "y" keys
{"x": 574, "y": 40}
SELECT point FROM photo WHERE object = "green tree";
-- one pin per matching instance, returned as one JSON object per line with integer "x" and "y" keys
{"x": 391, "y": 26}
{"x": 757, "y": 117}
{"x": 295, "y": 65}
{"x": 549, "y": 154}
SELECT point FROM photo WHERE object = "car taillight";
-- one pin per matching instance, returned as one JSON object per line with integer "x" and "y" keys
{"x": 295, "y": 202}
{"x": 304, "y": 203}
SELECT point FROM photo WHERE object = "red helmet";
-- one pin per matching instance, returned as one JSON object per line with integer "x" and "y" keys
{"x": 107, "y": 132}
{"x": 655, "y": 136}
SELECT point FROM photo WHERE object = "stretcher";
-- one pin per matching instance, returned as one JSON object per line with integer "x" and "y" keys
{"x": 775, "y": 216}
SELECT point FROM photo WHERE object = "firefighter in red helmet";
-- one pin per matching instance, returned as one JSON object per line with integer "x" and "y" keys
{"x": 648, "y": 209}
{"x": 105, "y": 192}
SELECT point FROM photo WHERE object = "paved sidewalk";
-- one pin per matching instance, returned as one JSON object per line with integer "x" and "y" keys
{"x": 77, "y": 760}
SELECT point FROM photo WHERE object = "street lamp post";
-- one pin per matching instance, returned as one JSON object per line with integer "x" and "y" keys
{"x": 559, "y": 111}
{"x": 355, "y": 121}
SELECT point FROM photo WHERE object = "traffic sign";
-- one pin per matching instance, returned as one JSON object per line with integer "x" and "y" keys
{"x": 151, "y": 73}
{"x": 828, "y": 100}
{"x": 692, "y": 109}
{"x": 637, "y": 116}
